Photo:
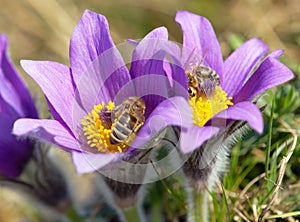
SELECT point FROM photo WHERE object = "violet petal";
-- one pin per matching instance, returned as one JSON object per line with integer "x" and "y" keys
{"x": 97, "y": 66}
{"x": 90, "y": 38}
{"x": 24, "y": 97}
{"x": 7, "y": 109}
{"x": 48, "y": 130}
{"x": 87, "y": 162}
{"x": 103, "y": 80}
{"x": 10, "y": 96}
{"x": 276, "y": 53}
{"x": 244, "y": 111}
{"x": 153, "y": 89}
{"x": 14, "y": 153}
{"x": 269, "y": 74}
{"x": 151, "y": 81}
{"x": 147, "y": 49}
{"x": 55, "y": 81}
{"x": 240, "y": 63}
{"x": 193, "y": 137}
{"x": 147, "y": 63}
{"x": 200, "y": 38}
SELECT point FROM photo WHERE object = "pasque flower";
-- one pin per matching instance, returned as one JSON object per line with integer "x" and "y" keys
{"x": 245, "y": 74}
{"x": 15, "y": 102}
{"x": 82, "y": 97}
{"x": 221, "y": 95}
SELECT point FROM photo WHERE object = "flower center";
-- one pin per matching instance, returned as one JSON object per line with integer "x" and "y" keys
{"x": 97, "y": 128}
{"x": 203, "y": 107}
{"x": 206, "y": 97}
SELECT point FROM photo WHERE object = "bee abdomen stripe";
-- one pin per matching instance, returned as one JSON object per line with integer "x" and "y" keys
{"x": 114, "y": 139}
{"x": 122, "y": 128}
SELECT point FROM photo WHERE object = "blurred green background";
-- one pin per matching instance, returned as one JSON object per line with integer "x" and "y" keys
{"x": 41, "y": 29}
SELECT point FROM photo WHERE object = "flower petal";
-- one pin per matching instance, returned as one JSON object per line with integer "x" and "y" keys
{"x": 269, "y": 74}
{"x": 14, "y": 153}
{"x": 153, "y": 89}
{"x": 7, "y": 109}
{"x": 193, "y": 137}
{"x": 147, "y": 62}
{"x": 48, "y": 130}
{"x": 10, "y": 98}
{"x": 103, "y": 80}
{"x": 56, "y": 83}
{"x": 97, "y": 66}
{"x": 25, "y": 101}
{"x": 88, "y": 162}
{"x": 175, "y": 71}
{"x": 240, "y": 63}
{"x": 147, "y": 49}
{"x": 171, "y": 50}
{"x": 179, "y": 84}
{"x": 276, "y": 53}
{"x": 152, "y": 83}
{"x": 90, "y": 39}
{"x": 200, "y": 38}
{"x": 171, "y": 112}
{"x": 244, "y": 111}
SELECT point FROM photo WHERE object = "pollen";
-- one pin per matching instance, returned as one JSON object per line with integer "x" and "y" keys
{"x": 203, "y": 108}
{"x": 97, "y": 128}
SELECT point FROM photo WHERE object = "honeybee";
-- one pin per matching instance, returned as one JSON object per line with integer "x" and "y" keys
{"x": 128, "y": 118}
{"x": 202, "y": 81}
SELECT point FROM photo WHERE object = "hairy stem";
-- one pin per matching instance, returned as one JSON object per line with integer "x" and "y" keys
{"x": 134, "y": 214}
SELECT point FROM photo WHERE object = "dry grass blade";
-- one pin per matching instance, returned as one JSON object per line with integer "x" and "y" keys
{"x": 250, "y": 184}
{"x": 282, "y": 167}
{"x": 241, "y": 215}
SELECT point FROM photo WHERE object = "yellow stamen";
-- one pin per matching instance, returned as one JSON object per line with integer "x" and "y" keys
{"x": 97, "y": 132}
{"x": 204, "y": 108}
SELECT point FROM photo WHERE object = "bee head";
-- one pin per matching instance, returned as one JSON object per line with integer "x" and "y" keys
{"x": 138, "y": 106}
{"x": 192, "y": 79}
{"x": 192, "y": 91}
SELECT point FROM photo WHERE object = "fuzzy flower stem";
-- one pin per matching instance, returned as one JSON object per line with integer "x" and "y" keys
{"x": 157, "y": 212}
{"x": 200, "y": 200}
{"x": 201, "y": 170}
{"x": 134, "y": 214}
{"x": 123, "y": 197}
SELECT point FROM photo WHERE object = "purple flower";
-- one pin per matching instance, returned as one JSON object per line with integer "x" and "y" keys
{"x": 240, "y": 80}
{"x": 82, "y": 96}
{"x": 15, "y": 102}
